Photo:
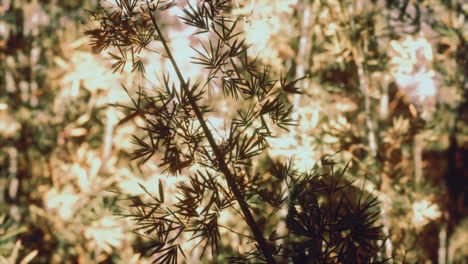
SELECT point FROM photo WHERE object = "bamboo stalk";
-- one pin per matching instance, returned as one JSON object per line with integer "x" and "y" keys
{"x": 303, "y": 52}
{"x": 358, "y": 56}
{"x": 417, "y": 156}
{"x": 107, "y": 140}
{"x": 442, "y": 252}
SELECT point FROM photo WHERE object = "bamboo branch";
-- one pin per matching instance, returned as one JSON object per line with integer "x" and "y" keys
{"x": 265, "y": 249}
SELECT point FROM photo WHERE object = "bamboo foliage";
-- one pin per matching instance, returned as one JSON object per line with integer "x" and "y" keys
{"x": 176, "y": 126}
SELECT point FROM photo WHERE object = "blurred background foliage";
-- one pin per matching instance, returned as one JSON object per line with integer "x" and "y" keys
{"x": 386, "y": 92}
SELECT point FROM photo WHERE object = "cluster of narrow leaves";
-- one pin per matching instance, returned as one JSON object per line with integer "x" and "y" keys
{"x": 164, "y": 224}
{"x": 331, "y": 221}
{"x": 176, "y": 133}
{"x": 170, "y": 117}
{"x": 127, "y": 28}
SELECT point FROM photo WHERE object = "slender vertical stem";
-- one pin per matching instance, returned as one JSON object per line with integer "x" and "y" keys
{"x": 265, "y": 249}
{"x": 358, "y": 53}
{"x": 365, "y": 90}
{"x": 384, "y": 107}
{"x": 107, "y": 139}
{"x": 364, "y": 86}
{"x": 442, "y": 252}
{"x": 417, "y": 156}
{"x": 13, "y": 172}
{"x": 303, "y": 51}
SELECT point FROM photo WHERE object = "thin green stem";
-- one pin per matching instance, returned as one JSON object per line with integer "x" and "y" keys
{"x": 265, "y": 249}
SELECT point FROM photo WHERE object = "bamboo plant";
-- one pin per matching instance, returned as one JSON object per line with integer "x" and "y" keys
{"x": 327, "y": 220}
